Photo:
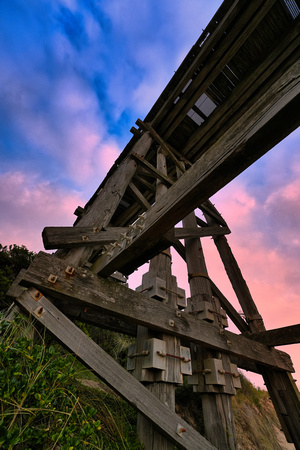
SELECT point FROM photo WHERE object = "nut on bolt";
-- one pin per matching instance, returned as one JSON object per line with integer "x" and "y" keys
{"x": 37, "y": 295}
{"x": 52, "y": 278}
{"x": 180, "y": 429}
{"x": 70, "y": 270}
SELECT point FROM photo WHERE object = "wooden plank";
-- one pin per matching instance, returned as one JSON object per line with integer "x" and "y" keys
{"x": 230, "y": 310}
{"x": 182, "y": 233}
{"x": 270, "y": 119}
{"x": 239, "y": 285}
{"x": 71, "y": 237}
{"x": 246, "y": 92}
{"x": 285, "y": 397}
{"x": 166, "y": 147}
{"x": 225, "y": 114}
{"x": 234, "y": 38}
{"x": 95, "y": 317}
{"x": 108, "y": 370}
{"x": 209, "y": 209}
{"x": 85, "y": 288}
{"x": 278, "y": 336}
{"x": 139, "y": 196}
{"x": 105, "y": 202}
{"x": 152, "y": 170}
{"x": 195, "y": 58}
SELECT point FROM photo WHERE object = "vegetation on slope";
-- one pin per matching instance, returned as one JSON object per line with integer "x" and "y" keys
{"x": 44, "y": 405}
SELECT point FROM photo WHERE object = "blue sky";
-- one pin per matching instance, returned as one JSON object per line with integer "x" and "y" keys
{"x": 75, "y": 75}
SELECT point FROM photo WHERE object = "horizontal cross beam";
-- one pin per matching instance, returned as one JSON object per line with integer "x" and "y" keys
{"x": 183, "y": 233}
{"x": 278, "y": 336}
{"x": 64, "y": 237}
{"x": 51, "y": 276}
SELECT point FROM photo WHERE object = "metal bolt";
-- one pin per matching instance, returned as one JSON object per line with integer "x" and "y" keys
{"x": 70, "y": 270}
{"x": 171, "y": 323}
{"x": 180, "y": 429}
{"x": 52, "y": 278}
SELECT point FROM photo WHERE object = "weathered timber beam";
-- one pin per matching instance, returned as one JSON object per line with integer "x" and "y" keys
{"x": 232, "y": 40}
{"x": 136, "y": 193}
{"x": 51, "y": 276}
{"x": 166, "y": 147}
{"x": 95, "y": 317}
{"x": 102, "y": 206}
{"x": 278, "y": 336}
{"x": 152, "y": 170}
{"x": 230, "y": 310}
{"x": 64, "y": 237}
{"x": 108, "y": 370}
{"x": 73, "y": 311}
{"x": 209, "y": 209}
{"x": 247, "y": 89}
{"x": 182, "y": 233}
{"x": 138, "y": 179}
{"x": 202, "y": 51}
{"x": 264, "y": 124}
{"x": 201, "y": 222}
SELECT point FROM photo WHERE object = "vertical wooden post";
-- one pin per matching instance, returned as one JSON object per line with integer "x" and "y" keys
{"x": 216, "y": 400}
{"x": 162, "y": 383}
{"x": 280, "y": 385}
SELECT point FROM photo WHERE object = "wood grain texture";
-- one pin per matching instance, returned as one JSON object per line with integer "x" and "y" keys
{"x": 261, "y": 127}
{"x": 111, "y": 372}
{"x": 71, "y": 237}
{"x": 112, "y": 297}
{"x": 279, "y": 336}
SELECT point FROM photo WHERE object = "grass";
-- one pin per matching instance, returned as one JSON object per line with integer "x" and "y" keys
{"x": 42, "y": 403}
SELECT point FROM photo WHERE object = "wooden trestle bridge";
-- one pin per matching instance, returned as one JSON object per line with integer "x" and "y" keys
{"x": 234, "y": 97}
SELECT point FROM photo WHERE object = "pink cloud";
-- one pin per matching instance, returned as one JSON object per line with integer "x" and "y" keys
{"x": 28, "y": 205}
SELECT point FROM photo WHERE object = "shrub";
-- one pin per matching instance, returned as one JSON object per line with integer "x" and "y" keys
{"x": 39, "y": 402}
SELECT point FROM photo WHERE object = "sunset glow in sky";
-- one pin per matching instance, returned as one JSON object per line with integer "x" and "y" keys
{"x": 75, "y": 76}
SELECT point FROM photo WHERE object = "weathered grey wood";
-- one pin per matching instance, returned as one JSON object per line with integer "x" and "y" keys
{"x": 111, "y": 372}
{"x": 261, "y": 127}
{"x": 106, "y": 201}
{"x": 139, "y": 196}
{"x": 139, "y": 179}
{"x": 112, "y": 297}
{"x": 183, "y": 233}
{"x": 239, "y": 285}
{"x": 233, "y": 40}
{"x": 203, "y": 52}
{"x": 216, "y": 404}
{"x": 278, "y": 336}
{"x": 230, "y": 310}
{"x": 152, "y": 170}
{"x": 65, "y": 237}
{"x": 166, "y": 380}
{"x": 15, "y": 289}
{"x": 166, "y": 147}
{"x": 286, "y": 400}
{"x": 95, "y": 317}
{"x": 244, "y": 91}
{"x": 209, "y": 209}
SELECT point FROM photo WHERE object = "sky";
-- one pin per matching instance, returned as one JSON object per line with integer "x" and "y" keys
{"x": 75, "y": 76}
